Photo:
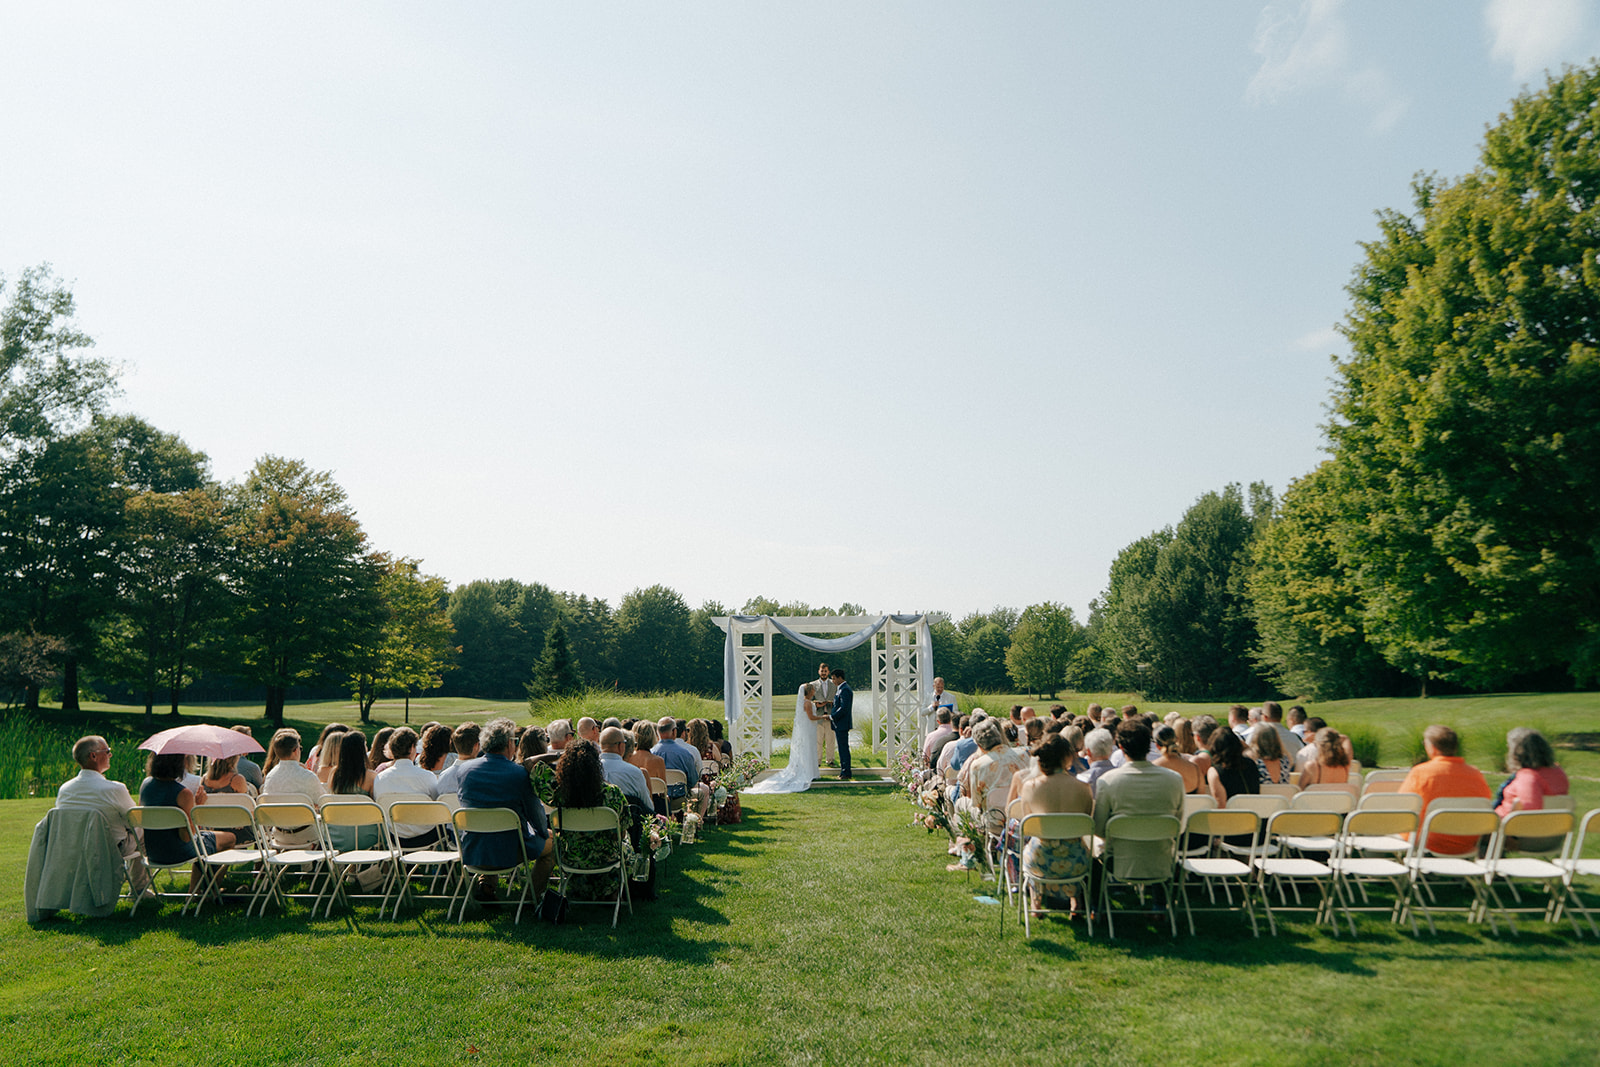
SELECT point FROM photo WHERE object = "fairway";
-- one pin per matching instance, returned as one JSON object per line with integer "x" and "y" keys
{"x": 820, "y": 930}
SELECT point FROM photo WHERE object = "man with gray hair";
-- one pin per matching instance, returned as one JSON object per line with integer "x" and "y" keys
{"x": 91, "y": 790}
{"x": 559, "y": 733}
{"x": 498, "y": 781}
{"x": 1099, "y": 745}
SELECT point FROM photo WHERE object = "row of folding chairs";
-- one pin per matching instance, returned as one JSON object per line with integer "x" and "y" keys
{"x": 1241, "y": 850}
{"x": 292, "y": 838}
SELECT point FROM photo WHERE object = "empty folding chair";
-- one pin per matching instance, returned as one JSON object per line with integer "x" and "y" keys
{"x": 1573, "y": 864}
{"x": 1282, "y": 828}
{"x": 1381, "y": 781}
{"x": 241, "y": 822}
{"x": 1265, "y": 806}
{"x": 1339, "y": 801}
{"x": 1369, "y": 830}
{"x": 1381, "y": 801}
{"x": 1273, "y": 789}
{"x": 1511, "y": 869}
{"x": 440, "y": 859}
{"x": 359, "y": 836}
{"x": 1140, "y": 851}
{"x": 1429, "y": 868}
{"x": 1231, "y": 873}
{"x": 1059, "y": 829}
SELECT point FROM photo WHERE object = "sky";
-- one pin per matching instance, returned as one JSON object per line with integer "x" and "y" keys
{"x": 919, "y": 306}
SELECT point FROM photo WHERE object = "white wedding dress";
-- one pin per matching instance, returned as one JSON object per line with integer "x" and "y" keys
{"x": 802, "y": 768}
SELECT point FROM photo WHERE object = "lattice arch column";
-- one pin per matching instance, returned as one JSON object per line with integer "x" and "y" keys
{"x": 897, "y": 685}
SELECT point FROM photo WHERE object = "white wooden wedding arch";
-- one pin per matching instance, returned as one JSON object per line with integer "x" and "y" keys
{"x": 902, "y": 664}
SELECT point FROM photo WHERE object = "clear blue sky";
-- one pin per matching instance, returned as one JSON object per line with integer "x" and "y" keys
{"x": 917, "y": 305}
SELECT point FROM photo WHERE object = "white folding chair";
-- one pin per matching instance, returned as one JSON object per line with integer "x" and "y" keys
{"x": 1265, "y": 805}
{"x": 1512, "y": 869}
{"x": 451, "y": 801}
{"x": 1273, "y": 789}
{"x": 162, "y": 817}
{"x": 1382, "y": 801}
{"x": 490, "y": 821}
{"x": 284, "y": 824}
{"x": 1367, "y": 830}
{"x": 357, "y": 815}
{"x": 1010, "y": 859}
{"x": 1124, "y": 865}
{"x": 1573, "y": 864}
{"x": 1428, "y": 867}
{"x": 1214, "y": 824}
{"x": 441, "y": 858}
{"x": 1052, "y": 827}
{"x": 1377, "y": 781}
{"x": 677, "y": 778}
{"x": 213, "y": 865}
{"x": 1340, "y": 801}
{"x": 1282, "y": 828}
{"x": 602, "y": 822}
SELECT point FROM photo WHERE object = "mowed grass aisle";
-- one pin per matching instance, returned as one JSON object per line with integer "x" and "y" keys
{"x": 821, "y": 930}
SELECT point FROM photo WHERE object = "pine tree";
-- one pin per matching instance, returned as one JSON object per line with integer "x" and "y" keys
{"x": 556, "y": 674}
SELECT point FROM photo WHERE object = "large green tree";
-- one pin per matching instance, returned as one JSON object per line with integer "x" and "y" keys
{"x": 654, "y": 641}
{"x": 305, "y": 582}
{"x": 411, "y": 649}
{"x": 48, "y": 385}
{"x": 1466, "y": 433}
{"x": 1042, "y": 646}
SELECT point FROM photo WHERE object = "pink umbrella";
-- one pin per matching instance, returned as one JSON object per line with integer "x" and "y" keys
{"x": 202, "y": 739}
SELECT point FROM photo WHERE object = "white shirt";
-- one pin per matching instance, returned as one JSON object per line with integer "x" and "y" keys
{"x": 450, "y": 778}
{"x": 290, "y": 780}
{"x": 404, "y": 776}
{"x": 93, "y": 791}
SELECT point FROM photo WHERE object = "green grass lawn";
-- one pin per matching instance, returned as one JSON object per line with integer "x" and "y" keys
{"x": 821, "y": 930}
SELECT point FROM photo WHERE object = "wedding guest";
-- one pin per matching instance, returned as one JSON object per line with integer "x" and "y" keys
{"x": 1534, "y": 776}
{"x": 985, "y": 778}
{"x": 1288, "y": 740}
{"x": 681, "y": 757}
{"x": 1137, "y": 788}
{"x": 353, "y": 778}
{"x": 558, "y": 732}
{"x": 962, "y": 748}
{"x": 1297, "y": 723}
{"x": 328, "y": 752}
{"x": 1205, "y": 730}
{"x": 248, "y": 767}
{"x": 581, "y": 782}
{"x": 314, "y": 761}
{"x": 723, "y": 746}
{"x": 378, "y": 758}
{"x": 619, "y": 772}
{"x": 1445, "y": 774}
{"x": 610, "y": 721}
{"x": 589, "y": 730}
{"x": 495, "y": 781}
{"x": 934, "y": 745}
{"x": 164, "y": 789}
{"x": 287, "y": 779}
{"x": 1171, "y": 757}
{"x": 435, "y": 749}
{"x": 1239, "y": 720}
{"x": 223, "y": 777}
{"x": 699, "y": 739}
{"x": 1271, "y": 765}
{"x": 1308, "y": 752}
{"x": 1054, "y": 789}
{"x": 91, "y": 790}
{"x": 1232, "y": 772}
{"x": 468, "y": 752}
{"x": 403, "y": 776}
{"x": 1331, "y": 763}
{"x": 1098, "y": 747}
{"x": 531, "y": 744}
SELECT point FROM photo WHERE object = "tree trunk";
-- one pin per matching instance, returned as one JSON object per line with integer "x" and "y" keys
{"x": 69, "y": 685}
{"x": 275, "y": 704}
{"x": 149, "y": 706}
{"x": 176, "y": 688}
{"x": 31, "y": 700}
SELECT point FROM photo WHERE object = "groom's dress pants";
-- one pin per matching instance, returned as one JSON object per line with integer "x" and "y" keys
{"x": 842, "y": 736}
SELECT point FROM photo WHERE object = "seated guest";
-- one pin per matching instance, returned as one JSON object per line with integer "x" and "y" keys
{"x": 164, "y": 789}
{"x": 559, "y": 732}
{"x": 1097, "y": 746}
{"x": 1053, "y": 789}
{"x": 404, "y": 776}
{"x": 1137, "y": 788}
{"x": 1297, "y": 723}
{"x": 248, "y": 767}
{"x": 1270, "y": 764}
{"x": 1534, "y": 776}
{"x": 723, "y": 746}
{"x": 589, "y": 730}
{"x": 1173, "y": 759}
{"x": 985, "y": 778}
{"x": 699, "y": 739}
{"x": 1232, "y": 772}
{"x": 1331, "y": 764}
{"x": 468, "y": 752}
{"x": 328, "y": 753}
{"x": 679, "y": 756}
{"x": 1308, "y": 751}
{"x": 287, "y": 780}
{"x": 581, "y": 783}
{"x": 1443, "y": 775}
{"x": 353, "y": 778}
{"x": 934, "y": 745}
{"x": 1288, "y": 740}
{"x": 646, "y": 738}
{"x": 961, "y": 747}
{"x": 531, "y": 744}
{"x": 318, "y": 752}
{"x": 223, "y": 777}
{"x": 496, "y": 781}
{"x": 91, "y": 790}
{"x": 610, "y": 721}
{"x": 1239, "y": 720}
{"x": 435, "y": 750}
{"x": 378, "y": 757}
{"x": 1205, "y": 728}
{"x": 619, "y": 772}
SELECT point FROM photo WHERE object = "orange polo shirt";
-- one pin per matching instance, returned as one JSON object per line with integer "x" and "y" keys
{"x": 1446, "y": 776}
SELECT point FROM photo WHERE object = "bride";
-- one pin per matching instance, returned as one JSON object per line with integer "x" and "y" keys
{"x": 802, "y": 768}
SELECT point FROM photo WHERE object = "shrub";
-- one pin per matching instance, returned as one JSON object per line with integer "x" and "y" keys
{"x": 1364, "y": 740}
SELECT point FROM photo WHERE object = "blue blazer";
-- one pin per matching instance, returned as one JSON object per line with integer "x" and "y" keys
{"x": 843, "y": 702}
{"x": 497, "y": 782}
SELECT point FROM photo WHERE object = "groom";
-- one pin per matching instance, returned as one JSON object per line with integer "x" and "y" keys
{"x": 843, "y": 699}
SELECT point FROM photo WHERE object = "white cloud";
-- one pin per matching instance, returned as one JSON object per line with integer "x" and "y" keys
{"x": 1305, "y": 46}
{"x": 1533, "y": 35}
{"x": 1324, "y": 340}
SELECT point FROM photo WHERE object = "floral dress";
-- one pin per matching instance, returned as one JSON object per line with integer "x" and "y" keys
{"x": 589, "y": 849}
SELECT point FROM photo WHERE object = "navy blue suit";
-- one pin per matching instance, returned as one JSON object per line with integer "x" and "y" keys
{"x": 497, "y": 782}
{"x": 843, "y": 702}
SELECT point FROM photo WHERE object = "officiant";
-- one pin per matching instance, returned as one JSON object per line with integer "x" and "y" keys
{"x": 824, "y": 689}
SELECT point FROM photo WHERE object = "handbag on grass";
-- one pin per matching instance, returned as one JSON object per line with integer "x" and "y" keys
{"x": 553, "y": 908}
